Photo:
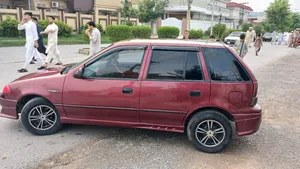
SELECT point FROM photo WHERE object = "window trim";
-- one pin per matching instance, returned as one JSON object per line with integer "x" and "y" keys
{"x": 184, "y": 65}
{"x": 176, "y": 48}
{"x": 234, "y": 56}
{"x": 117, "y": 49}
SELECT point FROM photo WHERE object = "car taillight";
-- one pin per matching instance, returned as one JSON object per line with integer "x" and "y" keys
{"x": 254, "y": 96}
{"x": 6, "y": 90}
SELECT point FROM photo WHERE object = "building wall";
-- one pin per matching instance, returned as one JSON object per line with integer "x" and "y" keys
{"x": 80, "y": 5}
{"x": 48, "y": 3}
{"x": 7, "y": 2}
{"x": 111, "y": 4}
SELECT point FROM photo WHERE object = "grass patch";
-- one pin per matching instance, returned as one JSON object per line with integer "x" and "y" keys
{"x": 72, "y": 40}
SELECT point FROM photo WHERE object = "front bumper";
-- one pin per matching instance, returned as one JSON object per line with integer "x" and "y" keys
{"x": 8, "y": 109}
{"x": 247, "y": 124}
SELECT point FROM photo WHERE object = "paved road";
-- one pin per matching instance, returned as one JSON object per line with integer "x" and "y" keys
{"x": 131, "y": 148}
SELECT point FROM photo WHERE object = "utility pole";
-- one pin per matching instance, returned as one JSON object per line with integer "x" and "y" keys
{"x": 189, "y": 15}
{"x": 242, "y": 13}
{"x": 220, "y": 24}
{"x": 212, "y": 17}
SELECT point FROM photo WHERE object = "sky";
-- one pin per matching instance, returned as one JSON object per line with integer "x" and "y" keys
{"x": 261, "y": 5}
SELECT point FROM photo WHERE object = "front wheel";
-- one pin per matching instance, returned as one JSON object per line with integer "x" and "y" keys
{"x": 209, "y": 131}
{"x": 40, "y": 117}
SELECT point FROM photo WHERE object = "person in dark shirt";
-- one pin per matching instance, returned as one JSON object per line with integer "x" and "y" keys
{"x": 41, "y": 48}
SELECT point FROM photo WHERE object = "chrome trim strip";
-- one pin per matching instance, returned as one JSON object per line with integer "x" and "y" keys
{"x": 100, "y": 107}
{"x": 163, "y": 111}
{"x": 121, "y": 108}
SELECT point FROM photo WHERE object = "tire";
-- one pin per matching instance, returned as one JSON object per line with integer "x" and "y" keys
{"x": 211, "y": 142}
{"x": 40, "y": 117}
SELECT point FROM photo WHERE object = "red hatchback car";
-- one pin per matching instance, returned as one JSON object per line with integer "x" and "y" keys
{"x": 176, "y": 86}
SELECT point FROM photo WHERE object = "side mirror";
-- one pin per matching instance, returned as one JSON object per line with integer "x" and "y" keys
{"x": 79, "y": 73}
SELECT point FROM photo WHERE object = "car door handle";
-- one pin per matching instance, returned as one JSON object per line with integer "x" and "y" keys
{"x": 195, "y": 93}
{"x": 127, "y": 91}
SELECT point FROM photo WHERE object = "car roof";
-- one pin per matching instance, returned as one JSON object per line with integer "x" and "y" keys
{"x": 172, "y": 42}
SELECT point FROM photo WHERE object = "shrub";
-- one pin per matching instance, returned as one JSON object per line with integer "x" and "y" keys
{"x": 143, "y": 32}
{"x": 168, "y": 32}
{"x": 84, "y": 27}
{"x": 246, "y": 26}
{"x": 229, "y": 31}
{"x": 9, "y": 28}
{"x": 219, "y": 30}
{"x": 196, "y": 34}
{"x": 118, "y": 32}
{"x": 259, "y": 29}
{"x": 63, "y": 28}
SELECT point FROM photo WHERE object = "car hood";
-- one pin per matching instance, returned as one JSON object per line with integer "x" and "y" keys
{"x": 42, "y": 73}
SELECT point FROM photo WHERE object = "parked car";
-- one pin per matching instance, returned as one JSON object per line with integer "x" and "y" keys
{"x": 233, "y": 37}
{"x": 176, "y": 86}
{"x": 267, "y": 37}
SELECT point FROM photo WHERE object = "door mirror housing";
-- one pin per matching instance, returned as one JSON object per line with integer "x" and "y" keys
{"x": 79, "y": 73}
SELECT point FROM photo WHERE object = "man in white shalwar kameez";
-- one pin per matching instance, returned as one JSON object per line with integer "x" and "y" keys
{"x": 95, "y": 38}
{"x": 31, "y": 41}
{"x": 52, "y": 49}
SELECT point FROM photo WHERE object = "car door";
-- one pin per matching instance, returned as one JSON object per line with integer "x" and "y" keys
{"x": 172, "y": 85}
{"x": 109, "y": 89}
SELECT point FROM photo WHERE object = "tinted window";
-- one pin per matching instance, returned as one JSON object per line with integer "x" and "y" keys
{"x": 168, "y": 65}
{"x": 223, "y": 66}
{"x": 193, "y": 68}
{"x": 120, "y": 64}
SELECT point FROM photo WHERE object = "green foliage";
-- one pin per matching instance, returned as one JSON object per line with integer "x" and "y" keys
{"x": 219, "y": 30}
{"x": 168, "y": 32}
{"x": 229, "y": 31}
{"x": 259, "y": 29}
{"x": 246, "y": 26}
{"x": 127, "y": 11}
{"x": 118, "y": 32}
{"x": 128, "y": 23}
{"x": 9, "y": 28}
{"x": 296, "y": 21}
{"x": 85, "y": 27}
{"x": 280, "y": 15}
{"x": 207, "y": 32}
{"x": 196, "y": 34}
{"x": 150, "y": 10}
{"x": 63, "y": 29}
{"x": 268, "y": 27}
{"x": 143, "y": 32}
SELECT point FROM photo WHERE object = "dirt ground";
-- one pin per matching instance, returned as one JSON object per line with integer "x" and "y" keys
{"x": 276, "y": 145}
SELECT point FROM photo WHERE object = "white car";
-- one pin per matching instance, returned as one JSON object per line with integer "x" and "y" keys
{"x": 233, "y": 37}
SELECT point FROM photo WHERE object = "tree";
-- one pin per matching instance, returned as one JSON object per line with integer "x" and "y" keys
{"x": 296, "y": 21}
{"x": 219, "y": 30}
{"x": 280, "y": 15}
{"x": 259, "y": 29}
{"x": 246, "y": 26}
{"x": 127, "y": 11}
{"x": 151, "y": 10}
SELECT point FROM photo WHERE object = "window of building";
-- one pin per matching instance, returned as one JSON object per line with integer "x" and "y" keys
{"x": 223, "y": 66}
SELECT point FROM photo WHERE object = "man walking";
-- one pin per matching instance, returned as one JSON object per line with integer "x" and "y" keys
{"x": 274, "y": 37}
{"x": 95, "y": 38}
{"x": 31, "y": 41}
{"x": 241, "y": 47}
{"x": 41, "y": 48}
{"x": 52, "y": 49}
{"x": 249, "y": 37}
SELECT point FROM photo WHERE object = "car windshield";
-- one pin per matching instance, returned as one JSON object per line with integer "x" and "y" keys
{"x": 235, "y": 34}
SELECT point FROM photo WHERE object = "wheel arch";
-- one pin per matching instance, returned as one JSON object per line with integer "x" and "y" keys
{"x": 24, "y": 100}
{"x": 222, "y": 111}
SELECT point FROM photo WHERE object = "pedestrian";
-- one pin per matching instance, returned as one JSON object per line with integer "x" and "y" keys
{"x": 241, "y": 46}
{"x": 212, "y": 38}
{"x": 186, "y": 35}
{"x": 41, "y": 48}
{"x": 52, "y": 49}
{"x": 290, "y": 39}
{"x": 258, "y": 44}
{"x": 95, "y": 38}
{"x": 253, "y": 35}
{"x": 249, "y": 37}
{"x": 31, "y": 41}
{"x": 285, "y": 38}
{"x": 274, "y": 37}
{"x": 280, "y": 38}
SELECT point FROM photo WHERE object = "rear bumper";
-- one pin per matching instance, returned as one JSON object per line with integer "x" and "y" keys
{"x": 247, "y": 124}
{"x": 8, "y": 109}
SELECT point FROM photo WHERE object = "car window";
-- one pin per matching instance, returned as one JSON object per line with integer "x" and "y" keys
{"x": 125, "y": 63}
{"x": 223, "y": 66}
{"x": 193, "y": 70}
{"x": 171, "y": 65}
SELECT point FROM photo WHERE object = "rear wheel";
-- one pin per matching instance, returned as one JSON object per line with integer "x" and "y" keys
{"x": 209, "y": 131}
{"x": 40, "y": 117}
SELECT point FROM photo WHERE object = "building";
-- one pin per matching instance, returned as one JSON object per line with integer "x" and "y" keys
{"x": 239, "y": 13}
{"x": 257, "y": 17}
